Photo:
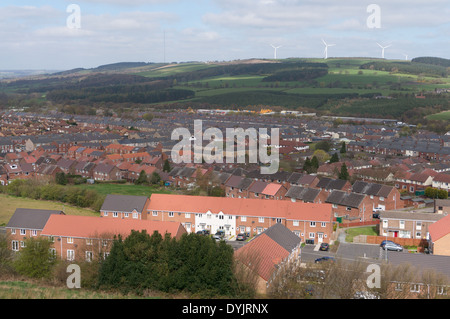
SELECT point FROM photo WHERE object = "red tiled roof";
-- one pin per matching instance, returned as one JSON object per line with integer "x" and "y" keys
{"x": 92, "y": 227}
{"x": 241, "y": 207}
{"x": 263, "y": 253}
{"x": 271, "y": 189}
{"x": 440, "y": 228}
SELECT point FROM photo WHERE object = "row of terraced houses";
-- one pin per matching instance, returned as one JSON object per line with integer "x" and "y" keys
{"x": 88, "y": 236}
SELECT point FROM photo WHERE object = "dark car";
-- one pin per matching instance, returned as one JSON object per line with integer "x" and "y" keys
{"x": 241, "y": 237}
{"x": 324, "y": 259}
{"x": 324, "y": 247}
{"x": 203, "y": 232}
{"x": 376, "y": 215}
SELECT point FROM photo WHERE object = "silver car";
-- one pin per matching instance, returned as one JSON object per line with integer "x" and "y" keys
{"x": 389, "y": 245}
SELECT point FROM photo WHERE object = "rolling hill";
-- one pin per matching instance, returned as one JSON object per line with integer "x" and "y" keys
{"x": 338, "y": 86}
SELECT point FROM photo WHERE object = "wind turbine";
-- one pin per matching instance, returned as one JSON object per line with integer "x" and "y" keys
{"x": 326, "y": 48}
{"x": 382, "y": 49}
{"x": 275, "y": 48}
{"x": 406, "y": 57}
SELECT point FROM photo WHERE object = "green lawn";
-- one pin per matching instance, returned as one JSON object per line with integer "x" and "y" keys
{"x": 125, "y": 189}
{"x": 443, "y": 116}
{"x": 10, "y": 203}
{"x": 352, "y": 232}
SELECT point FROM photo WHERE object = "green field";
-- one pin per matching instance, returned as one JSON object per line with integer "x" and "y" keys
{"x": 10, "y": 203}
{"x": 31, "y": 290}
{"x": 125, "y": 189}
{"x": 443, "y": 116}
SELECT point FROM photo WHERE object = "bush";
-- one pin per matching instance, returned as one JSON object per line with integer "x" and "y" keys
{"x": 35, "y": 260}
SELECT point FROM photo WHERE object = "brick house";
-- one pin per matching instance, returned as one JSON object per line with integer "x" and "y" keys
{"x": 382, "y": 196}
{"x": 306, "y": 194}
{"x": 439, "y": 236}
{"x": 267, "y": 251}
{"x": 407, "y": 224}
{"x": 27, "y": 223}
{"x": 105, "y": 172}
{"x": 350, "y": 207}
{"x": 88, "y": 237}
{"x": 309, "y": 221}
{"x": 124, "y": 207}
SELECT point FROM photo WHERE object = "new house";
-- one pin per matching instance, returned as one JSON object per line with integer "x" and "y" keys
{"x": 88, "y": 238}
{"x": 311, "y": 222}
{"x": 27, "y": 223}
{"x": 266, "y": 252}
{"x": 124, "y": 207}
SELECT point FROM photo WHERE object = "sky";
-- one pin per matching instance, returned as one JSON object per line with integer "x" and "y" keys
{"x": 51, "y": 35}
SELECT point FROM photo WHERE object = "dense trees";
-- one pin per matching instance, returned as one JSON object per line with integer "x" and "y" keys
{"x": 193, "y": 264}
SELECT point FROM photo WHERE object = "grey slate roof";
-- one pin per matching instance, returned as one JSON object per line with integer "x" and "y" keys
{"x": 124, "y": 203}
{"x": 306, "y": 194}
{"x": 283, "y": 236}
{"x": 345, "y": 199}
{"x": 30, "y": 218}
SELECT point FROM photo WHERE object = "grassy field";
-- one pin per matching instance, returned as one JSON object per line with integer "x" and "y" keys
{"x": 125, "y": 189}
{"x": 352, "y": 232}
{"x": 10, "y": 203}
{"x": 443, "y": 116}
{"x": 30, "y": 290}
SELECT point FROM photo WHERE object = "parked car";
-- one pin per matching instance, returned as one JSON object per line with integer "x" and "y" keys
{"x": 241, "y": 237}
{"x": 324, "y": 247}
{"x": 324, "y": 259}
{"x": 390, "y": 245}
{"x": 219, "y": 235}
{"x": 376, "y": 215}
{"x": 203, "y": 232}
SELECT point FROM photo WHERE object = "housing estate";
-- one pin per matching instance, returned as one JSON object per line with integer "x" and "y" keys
{"x": 311, "y": 222}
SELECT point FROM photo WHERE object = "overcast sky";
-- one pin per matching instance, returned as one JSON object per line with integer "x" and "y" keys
{"x": 36, "y": 34}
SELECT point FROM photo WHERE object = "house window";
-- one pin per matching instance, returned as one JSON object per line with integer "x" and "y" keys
{"x": 126, "y": 215}
{"x": 323, "y": 224}
{"x": 348, "y": 208}
{"x": 171, "y": 214}
{"x": 402, "y": 224}
{"x": 13, "y": 231}
{"x": 15, "y": 245}
{"x": 295, "y": 223}
{"x": 312, "y": 235}
{"x": 385, "y": 223}
{"x": 23, "y": 232}
{"x": 243, "y": 218}
{"x": 89, "y": 256}
{"x": 135, "y": 215}
{"x": 88, "y": 241}
{"x": 187, "y": 215}
{"x": 70, "y": 254}
{"x": 261, "y": 219}
{"x": 312, "y": 224}
{"x": 419, "y": 226}
{"x": 70, "y": 240}
{"x": 154, "y": 213}
{"x": 115, "y": 214}
{"x": 105, "y": 214}
{"x": 220, "y": 216}
{"x": 398, "y": 286}
{"x": 441, "y": 290}
{"x": 415, "y": 288}
{"x": 279, "y": 220}
{"x": 382, "y": 199}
